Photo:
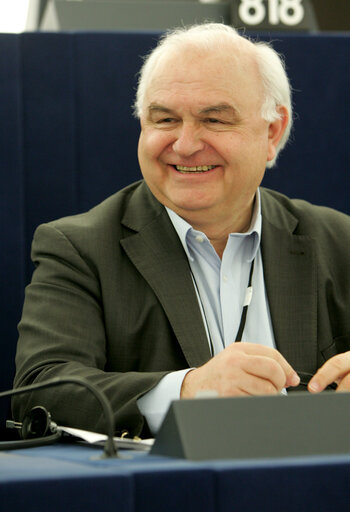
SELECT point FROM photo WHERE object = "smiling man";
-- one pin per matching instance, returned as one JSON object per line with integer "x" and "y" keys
{"x": 204, "y": 144}
{"x": 194, "y": 278}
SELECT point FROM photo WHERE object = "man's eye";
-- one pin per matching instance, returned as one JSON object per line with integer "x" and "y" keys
{"x": 165, "y": 120}
{"x": 213, "y": 120}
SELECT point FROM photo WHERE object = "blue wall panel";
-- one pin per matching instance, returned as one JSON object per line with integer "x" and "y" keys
{"x": 68, "y": 138}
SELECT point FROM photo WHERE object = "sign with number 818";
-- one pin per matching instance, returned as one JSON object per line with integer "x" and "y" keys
{"x": 272, "y": 12}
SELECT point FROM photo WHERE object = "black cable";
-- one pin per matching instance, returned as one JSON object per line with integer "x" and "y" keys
{"x": 110, "y": 449}
{"x": 30, "y": 443}
{"x": 245, "y": 307}
{"x": 244, "y": 310}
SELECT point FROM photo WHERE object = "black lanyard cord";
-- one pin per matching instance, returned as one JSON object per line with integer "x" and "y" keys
{"x": 244, "y": 310}
{"x": 246, "y": 304}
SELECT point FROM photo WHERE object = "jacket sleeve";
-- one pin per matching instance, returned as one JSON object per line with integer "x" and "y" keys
{"x": 62, "y": 333}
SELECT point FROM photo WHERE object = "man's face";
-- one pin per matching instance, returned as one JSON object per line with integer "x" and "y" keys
{"x": 203, "y": 145}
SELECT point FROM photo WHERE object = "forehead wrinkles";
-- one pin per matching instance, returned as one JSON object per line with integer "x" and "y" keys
{"x": 181, "y": 72}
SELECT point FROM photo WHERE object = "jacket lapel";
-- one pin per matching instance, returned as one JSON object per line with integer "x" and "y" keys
{"x": 157, "y": 253}
{"x": 291, "y": 284}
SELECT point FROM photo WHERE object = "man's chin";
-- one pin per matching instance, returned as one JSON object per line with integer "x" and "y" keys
{"x": 190, "y": 208}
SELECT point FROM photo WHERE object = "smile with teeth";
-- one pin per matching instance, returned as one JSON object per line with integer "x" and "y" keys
{"x": 199, "y": 168}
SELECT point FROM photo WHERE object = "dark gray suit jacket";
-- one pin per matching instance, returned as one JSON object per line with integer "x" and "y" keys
{"x": 112, "y": 300}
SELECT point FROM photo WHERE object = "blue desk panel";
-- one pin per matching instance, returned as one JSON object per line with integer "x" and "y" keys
{"x": 73, "y": 478}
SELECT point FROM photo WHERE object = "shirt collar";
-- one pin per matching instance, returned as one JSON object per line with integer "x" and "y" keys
{"x": 183, "y": 228}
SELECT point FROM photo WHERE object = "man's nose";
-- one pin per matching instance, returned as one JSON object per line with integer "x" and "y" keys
{"x": 188, "y": 141}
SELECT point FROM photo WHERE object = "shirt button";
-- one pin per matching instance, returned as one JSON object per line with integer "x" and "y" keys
{"x": 200, "y": 239}
{"x": 225, "y": 279}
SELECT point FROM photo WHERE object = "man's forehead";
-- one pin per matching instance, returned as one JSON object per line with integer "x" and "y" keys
{"x": 214, "y": 71}
{"x": 212, "y": 83}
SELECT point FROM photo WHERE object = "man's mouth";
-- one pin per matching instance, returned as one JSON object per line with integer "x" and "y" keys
{"x": 196, "y": 169}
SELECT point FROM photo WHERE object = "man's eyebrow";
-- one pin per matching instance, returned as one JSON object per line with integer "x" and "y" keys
{"x": 210, "y": 109}
{"x": 154, "y": 107}
{"x": 220, "y": 107}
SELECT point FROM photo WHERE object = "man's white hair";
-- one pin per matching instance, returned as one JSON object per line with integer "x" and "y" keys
{"x": 209, "y": 36}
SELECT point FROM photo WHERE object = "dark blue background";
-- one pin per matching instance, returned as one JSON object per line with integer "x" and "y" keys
{"x": 68, "y": 138}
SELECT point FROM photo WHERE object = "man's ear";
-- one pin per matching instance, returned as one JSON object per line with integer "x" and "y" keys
{"x": 276, "y": 130}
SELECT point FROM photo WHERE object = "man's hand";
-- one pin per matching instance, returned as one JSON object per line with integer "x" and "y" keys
{"x": 241, "y": 369}
{"x": 336, "y": 369}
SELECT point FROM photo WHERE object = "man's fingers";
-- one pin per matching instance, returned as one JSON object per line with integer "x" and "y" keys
{"x": 242, "y": 368}
{"x": 291, "y": 377}
{"x": 333, "y": 370}
{"x": 267, "y": 369}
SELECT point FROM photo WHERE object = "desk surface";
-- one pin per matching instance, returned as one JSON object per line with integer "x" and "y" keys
{"x": 74, "y": 478}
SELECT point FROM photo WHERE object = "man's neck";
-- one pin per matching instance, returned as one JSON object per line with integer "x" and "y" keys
{"x": 219, "y": 230}
{"x": 219, "y": 243}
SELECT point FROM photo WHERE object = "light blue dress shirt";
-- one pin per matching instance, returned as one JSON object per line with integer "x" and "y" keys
{"x": 221, "y": 286}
